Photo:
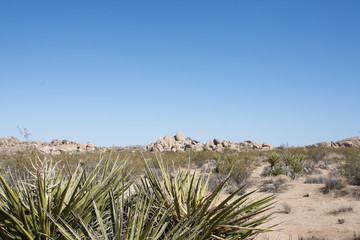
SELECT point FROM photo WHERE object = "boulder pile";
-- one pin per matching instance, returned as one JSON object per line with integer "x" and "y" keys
{"x": 348, "y": 142}
{"x": 179, "y": 143}
{"x": 9, "y": 145}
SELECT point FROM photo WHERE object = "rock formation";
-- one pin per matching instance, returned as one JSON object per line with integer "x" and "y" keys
{"x": 10, "y": 145}
{"x": 179, "y": 143}
{"x": 348, "y": 142}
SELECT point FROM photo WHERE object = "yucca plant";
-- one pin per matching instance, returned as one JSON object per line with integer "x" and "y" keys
{"x": 289, "y": 159}
{"x": 273, "y": 159}
{"x": 101, "y": 205}
{"x": 277, "y": 170}
{"x": 128, "y": 217}
{"x": 297, "y": 166}
{"x": 29, "y": 208}
{"x": 294, "y": 164}
{"x": 204, "y": 215}
{"x": 350, "y": 166}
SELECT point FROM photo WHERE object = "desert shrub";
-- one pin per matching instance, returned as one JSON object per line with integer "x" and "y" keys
{"x": 268, "y": 188}
{"x": 240, "y": 164}
{"x": 310, "y": 238}
{"x": 355, "y": 193}
{"x": 199, "y": 158}
{"x": 20, "y": 160}
{"x": 343, "y": 209}
{"x": 175, "y": 158}
{"x": 310, "y": 168}
{"x": 294, "y": 151}
{"x": 316, "y": 154}
{"x": 333, "y": 184}
{"x": 274, "y": 186}
{"x": 351, "y": 165}
{"x": 314, "y": 180}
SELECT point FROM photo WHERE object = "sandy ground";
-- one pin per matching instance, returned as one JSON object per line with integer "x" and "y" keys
{"x": 310, "y": 209}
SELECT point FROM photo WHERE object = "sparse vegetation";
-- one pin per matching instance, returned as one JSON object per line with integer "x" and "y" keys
{"x": 314, "y": 180}
{"x": 274, "y": 186}
{"x": 333, "y": 184}
{"x": 316, "y": 154}
{"x": 310, "y": 238}
{"x": 355, "y": 194}
{"x": 232, "y": 168}
{"x": 340, "y": 210}
{"x": 104, "y": 204}
{"x": 238, "y": 164}
{"x": 351, "y": 165}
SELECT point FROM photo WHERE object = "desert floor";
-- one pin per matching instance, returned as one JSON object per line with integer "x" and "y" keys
{"x": 304, "y": 211}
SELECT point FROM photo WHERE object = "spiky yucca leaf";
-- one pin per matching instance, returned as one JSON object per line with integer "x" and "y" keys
{"x": 101, "y": 206}
{"x": 129, "y": 217}
{"x": 235, "y": 217}
{"x": 23, "y": 203}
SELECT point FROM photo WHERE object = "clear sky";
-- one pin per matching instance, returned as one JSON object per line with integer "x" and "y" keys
{"x": 127, "y": 72}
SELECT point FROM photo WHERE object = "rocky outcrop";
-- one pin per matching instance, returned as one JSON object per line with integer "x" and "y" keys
{"x": 179, "y": 143}
{"x": 348, "y": 142}
{"x": 9, "y": 145}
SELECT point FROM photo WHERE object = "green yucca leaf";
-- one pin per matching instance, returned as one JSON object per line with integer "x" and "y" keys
{"x": 100, "y": 221}
{"x": 105, "y": 169}
{"x": 4, "y": 234}
{"x": 17, "y": 227}
{"x": 89, "y": 234}
{"x": 152, "y": 231}
{"x": 67, "y": 231}
{"x": 10, "y": 195}
{"x": 33, "y": 212}
{"x": 114, "y": 215}
{"x": 100, "y": 205}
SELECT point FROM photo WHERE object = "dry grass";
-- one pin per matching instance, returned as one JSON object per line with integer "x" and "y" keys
{"x": 314, "y": 180}
{"x": 310, "y": 238}
{"x": 340, "y": 210}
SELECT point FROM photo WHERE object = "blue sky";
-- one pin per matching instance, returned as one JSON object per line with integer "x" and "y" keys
{"x": 127, "y": 72}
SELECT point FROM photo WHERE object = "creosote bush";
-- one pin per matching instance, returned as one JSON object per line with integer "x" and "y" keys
{"x": 351, "y": 165}
{"x": 332, "y": 184}
{"x": 316, "y": 154}
{"x": 239, "y": 164}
